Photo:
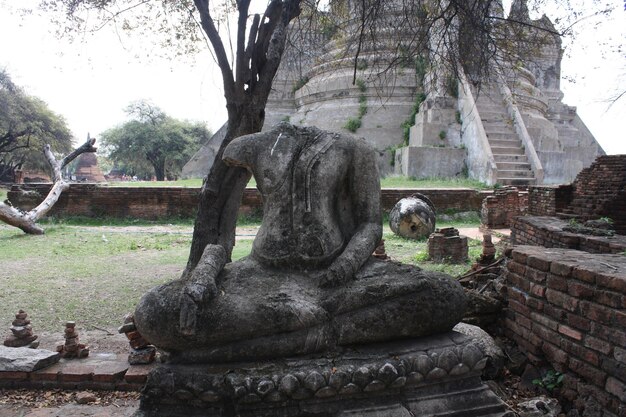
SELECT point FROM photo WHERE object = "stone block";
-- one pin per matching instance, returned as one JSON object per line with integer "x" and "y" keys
{"x": 25, "y": 359}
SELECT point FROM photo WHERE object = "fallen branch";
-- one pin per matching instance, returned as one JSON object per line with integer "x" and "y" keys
{"x": 481, "y": 270}
{"x": 26, "y": 220}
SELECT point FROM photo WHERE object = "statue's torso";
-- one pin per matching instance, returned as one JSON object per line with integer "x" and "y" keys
{"x": 304, "y": 196}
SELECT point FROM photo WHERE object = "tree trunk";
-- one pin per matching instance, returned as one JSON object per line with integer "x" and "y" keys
{"x": 159, "y": 172}
{"x": 222, "y": 190}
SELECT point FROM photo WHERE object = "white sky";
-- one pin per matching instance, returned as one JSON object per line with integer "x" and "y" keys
{"x": 91, "y": 82}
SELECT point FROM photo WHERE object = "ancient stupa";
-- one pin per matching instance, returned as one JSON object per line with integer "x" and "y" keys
{"x": 87, "y": 169}
{"x": 514, "y": 130}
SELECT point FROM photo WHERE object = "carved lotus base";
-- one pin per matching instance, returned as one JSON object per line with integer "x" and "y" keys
{"x": 437, "y": 375}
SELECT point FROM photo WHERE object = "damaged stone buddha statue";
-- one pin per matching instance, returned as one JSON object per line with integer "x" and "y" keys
{"x": 310, "y": 283}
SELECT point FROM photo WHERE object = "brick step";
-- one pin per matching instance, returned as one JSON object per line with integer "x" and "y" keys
{"x": 517, "y": 181}
{"x": 523, "y": 166}
{"x": 507, "y": 143}
{"x": 501, "y": 150}
{"x": 509, "y": 158}
{"x": 509, "y": 173}
{"x": 501, "y": 136}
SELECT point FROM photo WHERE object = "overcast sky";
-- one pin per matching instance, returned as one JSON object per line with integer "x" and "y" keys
{"x": 90, "y": 82}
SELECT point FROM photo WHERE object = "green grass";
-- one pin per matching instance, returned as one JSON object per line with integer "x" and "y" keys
{"x": 95, "y": 273}
{"x": 388, "y": 182}
{"x": 90, "y": 275}
{"x": 410, "y": 182}
{"x": 3, "y": 194}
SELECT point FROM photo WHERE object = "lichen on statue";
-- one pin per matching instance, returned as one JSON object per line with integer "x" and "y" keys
{"x": 310, "y": 283}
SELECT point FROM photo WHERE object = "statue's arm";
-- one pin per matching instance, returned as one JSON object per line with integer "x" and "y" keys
{"x": 365, "y": 195}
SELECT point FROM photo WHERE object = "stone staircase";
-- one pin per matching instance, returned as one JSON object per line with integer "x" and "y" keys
{"x": 508, "y": 152}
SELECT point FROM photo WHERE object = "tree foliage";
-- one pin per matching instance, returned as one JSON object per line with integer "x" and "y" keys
{"x": 26, "y": 125}
{"x": 153, "y": 142}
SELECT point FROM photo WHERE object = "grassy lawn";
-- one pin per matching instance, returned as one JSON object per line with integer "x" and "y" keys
{"x": 3, "y": 194}
{"x": 95, "y": 273}
{"x": 389, "y": 182}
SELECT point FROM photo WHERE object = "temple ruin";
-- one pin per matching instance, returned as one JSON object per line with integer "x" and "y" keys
{"x": 512, "y": 129}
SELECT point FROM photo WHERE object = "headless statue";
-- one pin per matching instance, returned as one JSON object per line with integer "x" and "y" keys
{"x": 310, "y": 283}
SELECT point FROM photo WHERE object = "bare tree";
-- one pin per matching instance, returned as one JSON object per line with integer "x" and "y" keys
{"x": 27, "y": 220}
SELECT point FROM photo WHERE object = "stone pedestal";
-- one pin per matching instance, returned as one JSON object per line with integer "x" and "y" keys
{"x": 437, "y": 375}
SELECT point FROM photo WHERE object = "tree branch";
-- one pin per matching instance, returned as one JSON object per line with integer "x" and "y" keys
{"x": 26, "y": 221}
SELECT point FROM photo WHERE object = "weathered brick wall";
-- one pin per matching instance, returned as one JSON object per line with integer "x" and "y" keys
{"x": 155, "y": 202}
{"x": 499, "y": 209}
{"x": 548, "y": 200}
{"x": 600, "y": 191}
{"x": 569, "y": 308}
{"x": 548, "y": 232}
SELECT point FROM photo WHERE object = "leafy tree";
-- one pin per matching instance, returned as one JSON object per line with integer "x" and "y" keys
{"x": 26, "y": 126}
{"x": 153, "y": 140}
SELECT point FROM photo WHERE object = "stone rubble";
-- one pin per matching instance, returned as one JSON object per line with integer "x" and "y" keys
{"x": 141, "y": 351}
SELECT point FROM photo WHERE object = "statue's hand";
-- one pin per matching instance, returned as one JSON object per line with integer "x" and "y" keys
{"x": 338, "y": 273}
{"x": 200, "y": 287}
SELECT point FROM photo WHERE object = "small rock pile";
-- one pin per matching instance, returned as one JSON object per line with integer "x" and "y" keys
{"x": 380, "y": 252}
{"x": 71, "y": 348}
{"x": 141, "y": 351}
{"x": 22, "y": 332}
{"x": 445, "y": 245}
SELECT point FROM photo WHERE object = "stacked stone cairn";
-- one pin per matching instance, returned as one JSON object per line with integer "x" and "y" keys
{"x": 72, "y": 348}
{"x": 22, "y": 332}
{"x": 489, "y": 251}
{"x": 445, "y": 245}
{"x": 380, "y": 252}
{"x": 141, "y": 351}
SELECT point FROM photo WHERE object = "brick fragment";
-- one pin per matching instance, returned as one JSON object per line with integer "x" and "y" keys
{"x": 538, "y": 263}
{"x": 556, "y": 282}
{"x": 569, "y": 332}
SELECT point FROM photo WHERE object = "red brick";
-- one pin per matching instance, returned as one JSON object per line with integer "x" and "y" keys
{"x": 535, "y": 304}
{"x": 519, "y": 308}
{"x": 578, "y": 322}
{"x": 538, "y": 290}
{"x": 538, "y": 263}
{"x": 76, "y": 373}
{"x": 544, "y": 321}
{"x": 596, "y": 312}
{"x": 599, "y": 345}
{"x": 13, "y": 375}
{"x": 609, "y": 298}
{"x": 569, "y": 332}
{"x": 581, "y": 352}
{"x": 579, "y": 290}
{"x": 535, "y": 275}
{"x": 110, "y": 372}
{"x": 617, "y": 283}
{"x": 590, "y": 373}
{"x": 519, "y": 256}
{"x": 554, "y": 312}
{"x": 618, "y": 337}
{"x": 616, "y": 388}
{"x": 516, "y": 295}
{"x": 561, "y": 300}
{"x": 546, "y": 334}
{"x": 561, "y": 269}
{"x": 517, "y": 281}
{"x": 556, "y": 282}
{"x": 50, "y": 373}
{"x": 584, "y": 275}
{"x": 137, "y": 374}
{"x": 554, "y": 354}
{"x": 519, "y": 269}
{"x": 620, "y": 318}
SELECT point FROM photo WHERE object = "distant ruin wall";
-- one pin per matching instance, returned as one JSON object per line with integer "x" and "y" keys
{"x": 499, "y": 209}
{"x": 158, "y": 202}
{"x": 548, "y": 200}
{"x": 568, "y": 308}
